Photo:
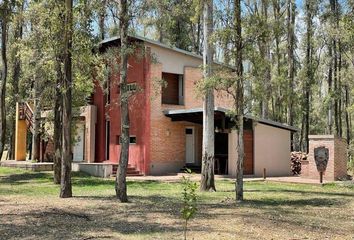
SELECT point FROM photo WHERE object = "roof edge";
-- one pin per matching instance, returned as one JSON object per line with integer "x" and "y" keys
{"x": 225, "y": 110}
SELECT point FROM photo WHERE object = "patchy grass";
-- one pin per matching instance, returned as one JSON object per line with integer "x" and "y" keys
{"x": 30, "y": 209}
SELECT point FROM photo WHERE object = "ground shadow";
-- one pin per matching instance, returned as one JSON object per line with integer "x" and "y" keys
{"x": 24, "y": 178}
{"x": 301, "y": 192}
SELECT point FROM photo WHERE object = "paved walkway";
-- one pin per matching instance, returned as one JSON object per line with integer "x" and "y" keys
{"x": 196, "y": 177}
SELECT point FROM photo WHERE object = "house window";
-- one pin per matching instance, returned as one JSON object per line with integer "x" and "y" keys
{"x": 132, "y": 140}
{"x": 173, "y": 91}
{"x": 131, "y": 87}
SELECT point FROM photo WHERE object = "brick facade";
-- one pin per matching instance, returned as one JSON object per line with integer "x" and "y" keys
{"x": 168, "y": 138}
{"x": 337, "y": 162}
{"x": 160, "y": 142}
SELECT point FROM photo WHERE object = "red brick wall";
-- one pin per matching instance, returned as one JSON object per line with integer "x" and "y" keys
{"x": 161, "y": 143}
{"x": 167, "y": 137}
{"x": 336, "y": 167}
{"x": 193, "y": 99}
{"x": 138, "y": 72}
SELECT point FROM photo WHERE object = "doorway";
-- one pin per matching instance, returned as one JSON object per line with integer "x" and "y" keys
{"x": 78, "y": 149}
{"x": 190, "y": 145}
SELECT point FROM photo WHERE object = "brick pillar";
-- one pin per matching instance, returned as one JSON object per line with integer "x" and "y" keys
{"x": 337, "y": 159}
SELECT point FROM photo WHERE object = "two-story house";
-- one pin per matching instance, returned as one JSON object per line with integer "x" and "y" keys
{"x": 166, "y": 121}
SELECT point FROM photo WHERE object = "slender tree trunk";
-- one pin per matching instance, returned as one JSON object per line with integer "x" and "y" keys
{"x": 3, "y": 78}
{"x": 239, "y": 102}
{"x": 330, "y": 83}
{"x": 207, "y": 175}
{"x": 265, "y": 54}
{"x": 309, "y": 74}
{"x": 18, "y": 32}
{"x": 102, "y": 17}
{"x": 35, "y": 121}
{"x": 65, "y": 183}
{"x": 277, "y": 109}
{"x": 340, "y": 125}
{"x": 58, "y": 123}
{"x": 347, "y": 119}
{"x": 121, "y": 184}
{"x": 291, "y": 8}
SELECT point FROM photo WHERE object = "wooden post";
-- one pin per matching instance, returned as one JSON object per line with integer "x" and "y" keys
{"x": 264, "y": 174}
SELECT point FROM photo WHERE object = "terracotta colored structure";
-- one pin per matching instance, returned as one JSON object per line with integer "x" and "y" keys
{"x": 337, "y": 158}
{"x": 166, "y": 122}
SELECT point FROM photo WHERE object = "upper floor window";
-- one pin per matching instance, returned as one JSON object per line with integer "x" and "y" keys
{"x": 173, "y": 91}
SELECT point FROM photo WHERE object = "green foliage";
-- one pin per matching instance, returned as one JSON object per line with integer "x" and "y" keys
{"x": 189, "y": 200}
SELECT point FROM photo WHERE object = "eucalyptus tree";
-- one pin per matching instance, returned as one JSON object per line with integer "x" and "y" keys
{"x": 121, "y": 184}
{"x": 15, "y": 36}
{"x": 310, "y": 12}
{"x": 290, "y": 21}
{"x": 207, "y": 175}
{"x": 177, "y": 22}
{"x": 4, "y": 18}
{"x": 239, "y": 100}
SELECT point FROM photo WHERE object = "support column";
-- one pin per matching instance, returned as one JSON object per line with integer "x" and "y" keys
{"x": 20, "y": 135}
{"x": 90, "y": 119}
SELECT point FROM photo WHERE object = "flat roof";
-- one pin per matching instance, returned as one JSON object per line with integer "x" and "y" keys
{"x": 172, "y": 112}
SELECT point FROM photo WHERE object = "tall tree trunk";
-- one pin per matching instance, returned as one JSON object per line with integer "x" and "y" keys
{"x": 3, "y": 77}
{"x": 340, "y": 125}
{"x": 58, "y": 106}
{"x": 65, "y": 183}
{"x": 347, "y": 119}
{"x": 35, "y": 119}
{"x": 291, "y": 8}
{"x": 207, "y": 176}
{"x": 330, "y": 93}
{"x": 309, "y": 74}
{"x": 121, "y": 184}
{"x": 265, "y": 54}
{"x": 239, "y": 102}
{"x": 333, "y": 4}
{"x": 102, "y": 17}
{"x": 18, "y": 32}
{"x": 277, "y": 109}
{"x": 36, "y": 123}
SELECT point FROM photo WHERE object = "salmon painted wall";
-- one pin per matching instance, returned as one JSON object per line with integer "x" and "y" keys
{"x": 139, "y": 112}
{"x": 99, "y": 102}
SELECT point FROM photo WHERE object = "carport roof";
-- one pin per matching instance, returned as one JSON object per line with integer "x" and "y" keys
{"x": 197, "y": 114}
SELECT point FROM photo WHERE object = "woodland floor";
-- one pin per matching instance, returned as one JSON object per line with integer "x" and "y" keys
{"x": 30, "y": 209}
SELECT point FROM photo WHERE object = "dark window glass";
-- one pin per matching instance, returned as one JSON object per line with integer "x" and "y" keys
{"x": 132, "y": 140}
{"x": 189, "y": 131}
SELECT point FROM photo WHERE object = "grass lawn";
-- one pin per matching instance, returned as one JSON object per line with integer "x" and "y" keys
{"x": 30, "y": 209}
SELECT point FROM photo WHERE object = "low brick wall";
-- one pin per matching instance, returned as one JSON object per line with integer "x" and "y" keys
{"x": 337, "y": 159}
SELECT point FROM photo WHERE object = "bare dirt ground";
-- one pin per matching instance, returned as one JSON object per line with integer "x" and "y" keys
{"x": 30, "y": 209}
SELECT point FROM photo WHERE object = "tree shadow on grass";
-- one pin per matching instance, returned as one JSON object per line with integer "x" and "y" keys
{"x": 343, "y": 194}
{"x": 311, "y": 202}
{"x": 155, "y": 199}
{"x": 74, "y": 224}
{"x": 24, "y": 178}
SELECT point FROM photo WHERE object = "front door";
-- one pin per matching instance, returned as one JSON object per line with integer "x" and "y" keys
{"x": 78, "y": 148}
{"x": 190, "y": 145}
{"x": 248, "y": 144}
